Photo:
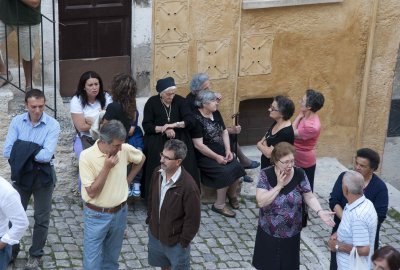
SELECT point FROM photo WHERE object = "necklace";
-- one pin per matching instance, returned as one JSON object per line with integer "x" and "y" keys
{"x": 167, "y": 112}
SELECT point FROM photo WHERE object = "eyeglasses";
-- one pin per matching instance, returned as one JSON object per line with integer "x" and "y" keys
{"x": 272, "y": 109}
{"x": 169, "y": 94}
{"x": 165, "y": 157}
{"x": 287, "y": 162}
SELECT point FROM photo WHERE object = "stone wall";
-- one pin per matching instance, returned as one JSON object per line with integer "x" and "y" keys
{"x": 346, "y": 50}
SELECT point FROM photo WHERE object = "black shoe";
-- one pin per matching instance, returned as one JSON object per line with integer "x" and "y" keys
{"x": 254, "y": 164}
{"x": 247, "y": 179}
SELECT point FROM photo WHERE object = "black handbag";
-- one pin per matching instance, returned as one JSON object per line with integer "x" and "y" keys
{"x": 304, "y": 213}
{"x": 86, "y": 141}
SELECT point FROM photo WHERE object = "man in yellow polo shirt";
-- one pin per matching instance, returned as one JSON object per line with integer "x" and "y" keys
{"x": 103, "y": 171}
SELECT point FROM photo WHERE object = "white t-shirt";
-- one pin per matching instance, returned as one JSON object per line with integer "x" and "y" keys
{"x": 90, "y": 110}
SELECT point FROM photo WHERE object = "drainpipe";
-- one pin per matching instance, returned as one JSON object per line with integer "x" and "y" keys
{"x": 367, "y": 70}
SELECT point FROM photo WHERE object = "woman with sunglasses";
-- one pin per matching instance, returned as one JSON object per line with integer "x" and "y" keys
{"x": 280, "y": 192}
{"x": 281, "y": 109}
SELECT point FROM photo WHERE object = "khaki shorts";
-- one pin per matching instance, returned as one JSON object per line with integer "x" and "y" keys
{"x": 27, "y": 40}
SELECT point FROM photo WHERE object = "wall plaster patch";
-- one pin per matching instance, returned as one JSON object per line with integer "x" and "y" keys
{"x": 171, "y": 24}
{"x": 171, "y": 60}
{"x": 213, "y": 58}
{"x": 255, "y": 54}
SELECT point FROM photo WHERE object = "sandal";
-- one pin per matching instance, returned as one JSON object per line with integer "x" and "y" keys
{"x": 234, "y": 202}
{"x": 4, "y": 79}
{"x": 224, "y": 211}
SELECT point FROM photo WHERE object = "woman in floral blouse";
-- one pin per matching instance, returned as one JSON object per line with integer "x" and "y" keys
{"x": 280, "y": 192}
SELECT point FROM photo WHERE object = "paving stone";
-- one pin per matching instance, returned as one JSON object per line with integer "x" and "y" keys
{"x": 233, "y": 264}
{"x": 221, "y": 243}
{"x": 197, "y": 259}
{"x": 63, "y": 263}
{"x": 221, "y": 266}
{"x": 61, "y": 255}
{"x": 209, "y": 265}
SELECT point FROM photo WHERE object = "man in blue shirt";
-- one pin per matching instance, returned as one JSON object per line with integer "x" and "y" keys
{"x": 30, "y": 145}
{"x": 366, "y": 163}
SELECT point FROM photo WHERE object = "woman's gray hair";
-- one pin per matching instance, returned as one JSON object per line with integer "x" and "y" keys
{"x": 113, "y": 130}
{"x": 178, "y": 147}
{"x": 203, "y": 97}
{"x": 354, "y": 181}
{"x": 197, "y": 81}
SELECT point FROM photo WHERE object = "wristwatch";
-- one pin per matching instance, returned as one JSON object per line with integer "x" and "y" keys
{"x": 337, "y": 247}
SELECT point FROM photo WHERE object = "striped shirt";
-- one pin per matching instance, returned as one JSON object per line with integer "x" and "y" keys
{"x": 357, "y": 228}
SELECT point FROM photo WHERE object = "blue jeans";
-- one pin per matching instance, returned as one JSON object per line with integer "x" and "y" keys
{"x": 5, "y": 256}
{"x": 78, "y": 148}
{"x": 103, "y": 234}
{"x": 160, "y": 255}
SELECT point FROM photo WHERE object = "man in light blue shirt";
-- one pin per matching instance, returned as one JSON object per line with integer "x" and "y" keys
{"x": 30, "y": 145}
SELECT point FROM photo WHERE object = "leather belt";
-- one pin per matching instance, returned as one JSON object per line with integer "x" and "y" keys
{"x": 104, "y": 209}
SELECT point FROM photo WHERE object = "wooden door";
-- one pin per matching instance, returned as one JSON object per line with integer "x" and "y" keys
{"x": 254, "y": 119}
{"x": 93, "y": 35}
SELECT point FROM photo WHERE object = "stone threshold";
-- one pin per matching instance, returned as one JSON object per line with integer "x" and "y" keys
{"x": 256, "y": 4}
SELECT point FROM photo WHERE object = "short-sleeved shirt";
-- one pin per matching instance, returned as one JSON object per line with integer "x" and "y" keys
{"x": 357, "y": 228}
{"x": 282, "y": 218}
{"x": 115, "y": 190}
{"x": 285, "y": 134}
{"x": 211, "y": 130}
{"x": 309, "y": 131}
{"x": 89, "y": 110}
{"x": 14, "y": 12}
{"x": 116, "y": 112}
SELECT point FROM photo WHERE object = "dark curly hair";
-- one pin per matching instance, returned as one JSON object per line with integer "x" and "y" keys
{"x": 285, "y": 106}
{"x": 314, "y": 99}
{"x": 101, "y": 97}
{"x": 123, "y": 90}
{"x": 371, "y": 155}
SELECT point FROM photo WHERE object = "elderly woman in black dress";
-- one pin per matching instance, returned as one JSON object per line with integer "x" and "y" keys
{"x": 215, "y": 160}
{"x": 166, "y": 116}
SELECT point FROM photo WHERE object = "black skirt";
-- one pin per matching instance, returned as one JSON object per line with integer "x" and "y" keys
{"x": 272, "y": 253}
{"x": 215, "y": 175}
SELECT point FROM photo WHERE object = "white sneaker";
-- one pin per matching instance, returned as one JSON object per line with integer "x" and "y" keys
{"x": 136, "y": 190}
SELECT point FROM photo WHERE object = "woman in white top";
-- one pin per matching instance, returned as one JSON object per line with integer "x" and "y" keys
{"x": 89, "y": 100}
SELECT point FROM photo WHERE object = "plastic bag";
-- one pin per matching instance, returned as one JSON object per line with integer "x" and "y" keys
{"x": 357, "y": 262}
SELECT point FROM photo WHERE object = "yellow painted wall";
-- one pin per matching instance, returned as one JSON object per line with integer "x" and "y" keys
{"x": 345, "y": 50}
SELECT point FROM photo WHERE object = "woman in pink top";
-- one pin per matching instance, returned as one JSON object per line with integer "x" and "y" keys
{"x": 307, "y": 128}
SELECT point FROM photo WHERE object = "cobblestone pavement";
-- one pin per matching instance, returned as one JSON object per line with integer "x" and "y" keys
{"x": 222, "y": 243}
